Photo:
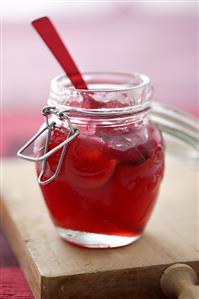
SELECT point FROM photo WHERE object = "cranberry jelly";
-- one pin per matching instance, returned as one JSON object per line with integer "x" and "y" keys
{"x": 107, "y": 185}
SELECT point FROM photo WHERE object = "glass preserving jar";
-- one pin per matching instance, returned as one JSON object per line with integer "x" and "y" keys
{"x": 99, "y": 158}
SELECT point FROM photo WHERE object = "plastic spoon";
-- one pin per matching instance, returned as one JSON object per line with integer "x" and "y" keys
{"x": 48, "y": 33}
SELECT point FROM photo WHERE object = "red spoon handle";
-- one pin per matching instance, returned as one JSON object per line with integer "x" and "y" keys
{"x": 50, "y": 36}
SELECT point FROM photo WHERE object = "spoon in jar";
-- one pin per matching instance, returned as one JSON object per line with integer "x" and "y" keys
{"x": 50, "y": 36}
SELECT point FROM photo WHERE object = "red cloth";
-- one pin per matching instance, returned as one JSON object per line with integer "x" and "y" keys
{"x": 13, "y": 284}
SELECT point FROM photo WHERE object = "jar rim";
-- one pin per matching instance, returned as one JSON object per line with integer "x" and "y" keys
{"x": 134, "y": 86}
{"x": 145, "y": 81}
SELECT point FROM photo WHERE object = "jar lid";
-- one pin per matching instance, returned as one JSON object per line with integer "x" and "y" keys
{"x": 180, "y": 130}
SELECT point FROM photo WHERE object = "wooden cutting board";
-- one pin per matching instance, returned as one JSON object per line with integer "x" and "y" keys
{"x": 56, "y": 270}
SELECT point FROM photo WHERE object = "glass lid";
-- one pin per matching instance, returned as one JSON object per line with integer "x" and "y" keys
{"x": 180, "y": 130}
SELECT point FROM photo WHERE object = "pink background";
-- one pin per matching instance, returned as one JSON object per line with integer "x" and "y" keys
{"x": 159, "y": 40}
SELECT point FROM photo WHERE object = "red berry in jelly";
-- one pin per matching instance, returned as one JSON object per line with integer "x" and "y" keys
{"x": 87, "y": 165}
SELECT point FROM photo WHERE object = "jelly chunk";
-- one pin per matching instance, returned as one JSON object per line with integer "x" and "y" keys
{"x": 131, "y": 145}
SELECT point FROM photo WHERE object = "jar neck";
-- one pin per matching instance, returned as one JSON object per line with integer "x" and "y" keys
{"x": 106, "y": 121}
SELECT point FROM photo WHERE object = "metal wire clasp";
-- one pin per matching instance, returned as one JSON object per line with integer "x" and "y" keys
{"x": 73, "y": 132}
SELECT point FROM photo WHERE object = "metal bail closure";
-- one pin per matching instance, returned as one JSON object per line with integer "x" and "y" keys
{"x": 73, "y": 132}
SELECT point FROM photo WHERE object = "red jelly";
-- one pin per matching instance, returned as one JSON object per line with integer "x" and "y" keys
{"x": 110, "y": 176}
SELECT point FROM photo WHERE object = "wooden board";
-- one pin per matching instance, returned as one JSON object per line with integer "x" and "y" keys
{"x": 55, "y": 269}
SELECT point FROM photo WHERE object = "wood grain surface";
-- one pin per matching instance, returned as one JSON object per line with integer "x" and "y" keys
{"x": 55, "y": 269}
